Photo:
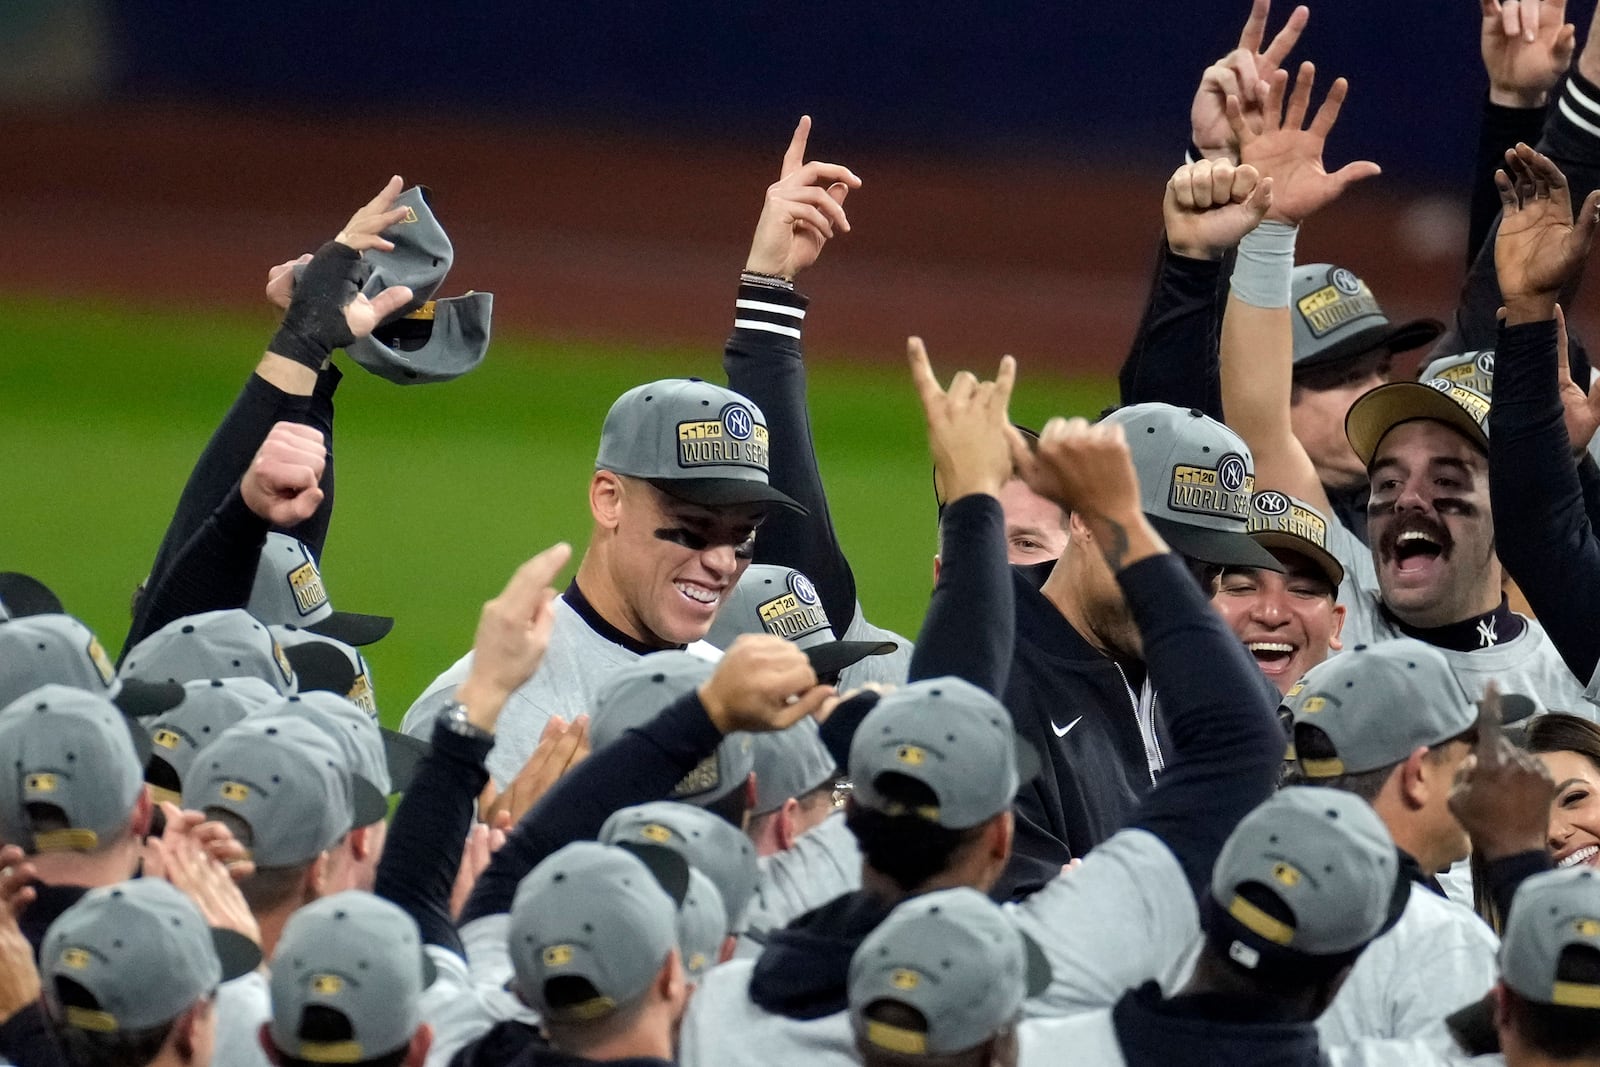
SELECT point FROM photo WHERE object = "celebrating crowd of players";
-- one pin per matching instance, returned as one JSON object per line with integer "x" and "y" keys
{"x": 1253, "y": 723}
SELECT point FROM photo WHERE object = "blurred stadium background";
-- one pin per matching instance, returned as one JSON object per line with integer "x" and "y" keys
{"x": 599, "y": 168}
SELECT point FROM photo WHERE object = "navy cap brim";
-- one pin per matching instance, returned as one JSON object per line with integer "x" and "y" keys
{"x": 368, "y": 802}
{"x": 670, "y": 868}
{"x": 402, "y": 753}
{"x": 725, "y": 492}
{"x": 237, "y": 953}
{"x": 1376, "y": 341}
{"x": 23, "y": 595}
{"x": 831, "y": 657}
{"x": 140, "y": 699}
{"x": 353, "y": 628}
{"x": 1222, "y": 548}
{"x": 319, "y": 666}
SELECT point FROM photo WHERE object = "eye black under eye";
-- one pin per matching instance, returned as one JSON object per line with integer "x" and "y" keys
{"x": 686, "y": 538}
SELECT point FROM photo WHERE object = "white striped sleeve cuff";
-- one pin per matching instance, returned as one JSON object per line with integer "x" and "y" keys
{"x": 769, "y": 310}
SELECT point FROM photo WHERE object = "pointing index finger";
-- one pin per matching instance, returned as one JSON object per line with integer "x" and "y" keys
{"x": 1491, "y": 726}
{"x": 1287, "y": 38}
{"x": 1255, "y": 27}
{"x": 795, "y": 157}
{"x": 922, "y": 374}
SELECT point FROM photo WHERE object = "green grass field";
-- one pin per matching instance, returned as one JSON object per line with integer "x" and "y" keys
{"x": 442, "y": 490}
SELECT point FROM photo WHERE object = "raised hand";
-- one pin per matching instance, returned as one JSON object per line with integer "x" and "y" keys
{"x": 1540, "y": 247}
{"x": 966, "y": 425}
{"x": 19, "y": 978}
{"x": 1238, "y": 74}
{"x": 763, "y": 683}
{"x": 1290, "y": 153}
{"x": 280, "y": 281}
{"x": 513, "y": 634}
{"x": 1580, "y": 408}
{"x": 804, "y": 208}
{"x": 1527, "y": 47}
{"x": 1502, "y": 795}
{"x": 561, "y": 747}
{"x": 180, "y": 856}
{"x": 281, "y": 484}
{"x": 1083, "y": 467}
{"x": 1211, "y": 204}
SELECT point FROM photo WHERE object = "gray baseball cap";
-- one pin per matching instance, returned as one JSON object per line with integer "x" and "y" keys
{"x": 693, "y": 440}
{"x": 361, "y": 691}
{"x": 137, "y": 954}
{"x": 1374, "y": 705}
{"x": 598, "y": 913}
{"x": 441, "y": 340}
{"x": 214, "y": 644}
{"x": 1475, "y": 370}
{"x": 1195, "y": 481}
{"x": 360, "y": 742}
{"x": 1552, "y": 912}
{"x": 76, "y": 753}
{"x": 1278, "y": 520}
{"x": 790, "y": 763}
{"x": 209, "y": 707}
{"x": 781, "y": 601}
{"x": 954, "y": 958}
{"x": 633, "y": 695}
{"x": 40, "y": 650}
{"x": 1377, "y": 411}
{"x": 289, "y": 591}
{"x": 285, "y": 780}
{"x": 708, "y": 843}
{"x": 1311, "y": 874}
{"x": 1336, "y": 318}
{"x": 22, "y": 595}
{"x": 952, "y": 737}
{"x": 356, "y": 961}
{"x": 702, "y": 925}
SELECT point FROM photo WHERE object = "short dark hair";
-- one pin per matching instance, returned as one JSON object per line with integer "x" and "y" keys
{"x": 321, "y": 1023}
{"x": 1311, "y": 742}
{"x": 908, "y": 849}
{"x": 119, "y": 1048}
{"x": 1561, "y": 1033}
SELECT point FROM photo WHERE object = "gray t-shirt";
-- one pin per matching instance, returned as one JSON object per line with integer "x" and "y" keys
{"x": 823, "y": 864}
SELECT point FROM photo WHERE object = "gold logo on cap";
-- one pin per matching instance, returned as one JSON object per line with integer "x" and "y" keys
{"x": 1587, "y": 927}
{"x": 1314, "y": 705}
{"x": 1285, "y": 875}
{"x": 1296, "y": 689}
{"x": 166, "y": 738}
{"x": 655, "y": 832}
{"x": 411, "y": 215}
{"x": 697, "y": 962}
{"x": 237, "y": 792}
{"x": 102, "y": 662}
{"x": 911, "y": 755}
{"x": 309, "y": 594}
{"x": 75, "y": 958}
{"x": 40, "y": 783}
{"x": 283, "y": 662}
{"x": 787, "y": 617}
{"x": 361, "y": 694}
{"x": 327, "y": 985}
{"x": 904, "y": 979}
{"x": 558, "y": 955}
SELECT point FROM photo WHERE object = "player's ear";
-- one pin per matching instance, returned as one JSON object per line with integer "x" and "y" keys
{"x": 605, "y": 499}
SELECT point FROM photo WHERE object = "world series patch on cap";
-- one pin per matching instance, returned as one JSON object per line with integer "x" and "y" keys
{"x": 289, "y": 591}
{"x": 693, "y": 440}
{"x": 1475, "y": 370}
{"x": 1336, "y": 318}
{"x": 783, "y": 602}
{"x": 1380, "y": 410}
{"x": 1195, "y": 481}
{"x": 1278, "y": 520}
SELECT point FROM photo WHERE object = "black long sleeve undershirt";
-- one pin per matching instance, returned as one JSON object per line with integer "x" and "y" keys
{"x": 1173, "y": 359}
{"x": 1542, "y": 530}
{"x": 971, "y": 625}
{"x": 642, "y": 765}
{"x": 428, "y": 833}
{"x": 1501, "y": 128}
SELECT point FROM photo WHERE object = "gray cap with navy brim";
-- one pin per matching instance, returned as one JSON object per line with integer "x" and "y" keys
{"x": 355, "y": 956}
{"x": 709, "y": 843}
{"x": 952, "y": 737}
{"x": 1310, "y": 873}
{"x": 1336, "y": 318}
{"x": 50, "y": 649}
{"x": 209, "y": 707}
{"x": 142, "y": 952}
{"x": 439, "y": 341}
{"x": 783, "y": 602}
{"x": 600, "y": 913}
{"x": 284, "y": 779}
{"x": 702, "y": 925}
{"x": 362, "y": 690}
{"x": 22, "y": 595}
{"x": 289, "y": 591}
{"x": 692, "y": 440}
{"x": 1195, "y": 481}
{"x": 421, "y": 256}
{"x": 954, "y": 958}
{"x": 790, "y": 763}
{"x": 633, "y": 695}
{"x": 1551, "y": 913}
{"x": 359, "y": 740}
{"x": 1375, "y": 705}
{"x": 74, "y": 752}
{"x": 227, "y": 643}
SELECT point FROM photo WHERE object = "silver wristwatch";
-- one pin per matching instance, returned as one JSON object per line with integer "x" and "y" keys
{"x": 454, "y": 718}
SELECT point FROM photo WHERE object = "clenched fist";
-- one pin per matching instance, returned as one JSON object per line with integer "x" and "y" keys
{"x": 281, "y": 485}
{"x": 763, "y": 683}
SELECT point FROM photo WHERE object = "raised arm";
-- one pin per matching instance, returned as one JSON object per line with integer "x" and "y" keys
{"x": 1257, "y": 354}
{"x": 1542, "y": 532}
{"x": 970, "y": 628}
{"x": 804, "y": 209}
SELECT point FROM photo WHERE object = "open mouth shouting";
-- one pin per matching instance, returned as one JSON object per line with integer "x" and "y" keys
{"x": 1273, "y": 657}
{"x": 1416, "y": 547}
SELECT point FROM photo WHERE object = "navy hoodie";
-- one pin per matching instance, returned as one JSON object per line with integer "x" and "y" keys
{"x": 1209, "y": 1029}
{"x": 803, "y": 971}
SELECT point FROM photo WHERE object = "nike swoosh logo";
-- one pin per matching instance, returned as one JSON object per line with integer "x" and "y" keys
{"x": 1062, "y": 731}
